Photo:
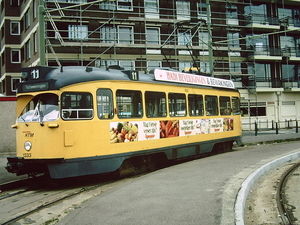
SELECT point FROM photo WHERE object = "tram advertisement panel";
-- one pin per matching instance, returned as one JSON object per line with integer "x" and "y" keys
{"x": 150, "y": 130}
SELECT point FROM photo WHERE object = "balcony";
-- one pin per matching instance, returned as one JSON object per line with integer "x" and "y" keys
{"x": 265, "y": 50}
{"x": 259, "y": 19}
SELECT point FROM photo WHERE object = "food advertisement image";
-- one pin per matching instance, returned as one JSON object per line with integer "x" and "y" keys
{"x": 121, "y": 132}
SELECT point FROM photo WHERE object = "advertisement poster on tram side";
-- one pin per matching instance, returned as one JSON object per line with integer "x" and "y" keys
{"x": 121, "y": 132}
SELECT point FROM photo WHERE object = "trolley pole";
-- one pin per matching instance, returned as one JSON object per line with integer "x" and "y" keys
{"x": 210, "y": 49}
{"x": 41, "y": 11}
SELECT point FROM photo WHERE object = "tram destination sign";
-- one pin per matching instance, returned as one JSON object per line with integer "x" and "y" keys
{"x": 42, "y": 86}
{"x": 186, "y": 78}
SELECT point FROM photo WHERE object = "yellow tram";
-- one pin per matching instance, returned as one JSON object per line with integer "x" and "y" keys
{"x": 76, "y": 121}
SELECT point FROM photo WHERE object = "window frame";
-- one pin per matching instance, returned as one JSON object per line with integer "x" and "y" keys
{"x": 181, "y": 12}
{"x": 211, "y": 106}
{"x": 225, "y": 105}
{"x": 72, "y": 109}
{"x": 27, "y": 19}
{"x": 107, "y": 111}
{"x": 76, "y": 32}
{"x": 19, "y": 55}
{"x": 175, "y": 105}
{"x": 127, "y": 99}
{"x": 18, "y": 28}
{"x": 193, "y": 105}
{"x": 158, "y": 108}
{"x": 121, "y": 7}
{"x": 27, "y": 50}
{"x": 131, "y": 34}
{"x": 235, "y": 104}
{"x": 149, "y": 35}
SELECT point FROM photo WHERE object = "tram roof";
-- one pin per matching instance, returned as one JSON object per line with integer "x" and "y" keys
{"x": 43, "y": 78}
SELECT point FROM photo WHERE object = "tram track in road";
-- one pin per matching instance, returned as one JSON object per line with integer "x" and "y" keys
{"x": 19, "y": 205}
{"x": 285, "y": 208}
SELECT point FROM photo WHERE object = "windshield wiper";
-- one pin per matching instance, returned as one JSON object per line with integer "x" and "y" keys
{"x": 24, "y": 121}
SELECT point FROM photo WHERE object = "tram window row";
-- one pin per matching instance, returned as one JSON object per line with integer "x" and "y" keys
{"x": 79, "y": 105}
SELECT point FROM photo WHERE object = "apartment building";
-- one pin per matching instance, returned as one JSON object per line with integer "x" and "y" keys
{"x": 254, "y": 43}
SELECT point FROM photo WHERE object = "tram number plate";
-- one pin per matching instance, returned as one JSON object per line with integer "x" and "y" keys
{"x": 26, "y": 155}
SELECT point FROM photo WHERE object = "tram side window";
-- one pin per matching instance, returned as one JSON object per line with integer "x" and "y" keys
{"x": 105, "y": 104}
{"x": 177, "y": 104}
{"x": 155, "y": 104}
{"x": 129, "y": 104}
{"x": 236, "y": 106}
{"x": 196, "y": 107}
{"x": 77, "y": 105}
{"x": 211, "y": 105}
{"x": 225, "y": 107}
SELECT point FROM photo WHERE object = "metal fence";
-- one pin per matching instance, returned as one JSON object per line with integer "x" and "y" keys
{"x": 273, "y": 125}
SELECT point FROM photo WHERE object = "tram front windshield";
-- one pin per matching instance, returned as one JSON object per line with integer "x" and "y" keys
{"x": 41, "y": 108}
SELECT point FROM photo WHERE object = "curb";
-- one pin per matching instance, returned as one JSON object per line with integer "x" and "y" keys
{"x": 249, "y": 182}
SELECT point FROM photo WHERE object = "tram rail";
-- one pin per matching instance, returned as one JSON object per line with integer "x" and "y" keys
{"x": 284, "y": 208}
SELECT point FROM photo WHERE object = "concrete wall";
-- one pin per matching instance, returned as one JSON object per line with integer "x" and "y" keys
{"x": 7, "y": 134}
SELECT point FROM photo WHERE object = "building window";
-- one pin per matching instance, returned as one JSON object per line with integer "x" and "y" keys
{"x": 152, "y": 36}
{"x": 204, "y": 67}
{"x": 183, "y": 10}
{"x": 287, "y": 44}
{"x": 34, "y": 9}
{"x": 15, "y": 2}
{"x": 27, "y": 50}
{"x": 285, "y": 15}
{"x": 203, "y": 39}
{"x": 232, "y": 14}
{"x": 125, "y": 35}
{"x": 256, "y": 13}
{"x": 235, "y": 67}
{"x": 151, "y": 65}
{"x": 27, "y": 19}
{"x": 107, "y": 5}
{"x": 202, "y": 10}
{"x": 184, "y": 38}
{"x": 78, "y": 32}
{"x": 15, "y": 56}
{"x": 127, "y": 65}
{"x": 151, "y": 9}
{"x": 253, "y": 109}
{"x": 108, "y": 34}
{"x": 106, "y": 63}
{"x": 124, "y": 5}
{"x": 288, "y": 72}
{"x": 14, "y": 28}
{"x": 69, "y": 1}
{"x": 35, "y": 42}
{"x": 262, "y": 72}
{"x": 14, "y": 83}
{"x": 260, "y": 44}
{"x": 233, "y": 39}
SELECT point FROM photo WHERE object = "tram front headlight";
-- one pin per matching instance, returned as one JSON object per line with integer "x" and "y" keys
{"x": 27, "y": 145}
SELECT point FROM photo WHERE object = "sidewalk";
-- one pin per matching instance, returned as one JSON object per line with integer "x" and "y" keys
{"x": 267, "y": 136}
